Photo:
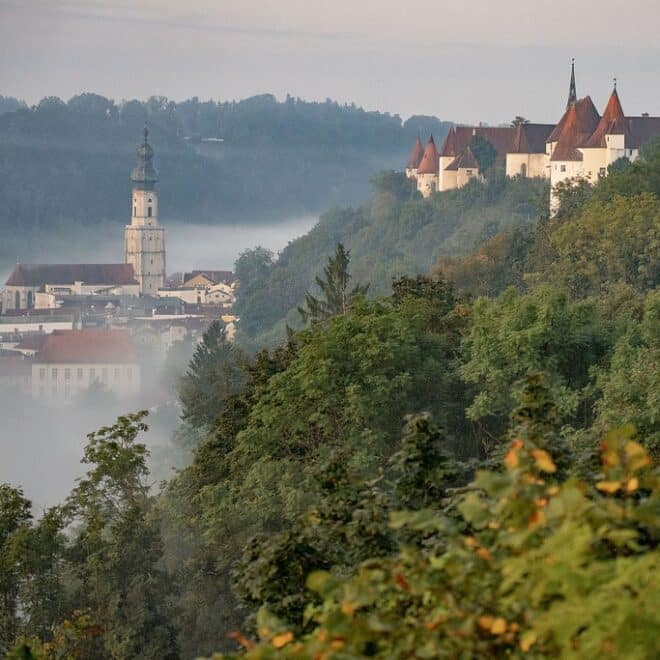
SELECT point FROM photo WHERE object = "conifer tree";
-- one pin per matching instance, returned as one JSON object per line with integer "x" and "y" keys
{"x": 336, "y": 296}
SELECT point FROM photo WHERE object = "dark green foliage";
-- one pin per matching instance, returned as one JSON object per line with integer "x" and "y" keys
{"x": 395, "y": 183}
{"x": 387, "y": 239}
{"x": 337, "y": 298}
{"x": 68, "y": 163}
{"x": 213, "y": 375}
{"x": 484, "y": 152}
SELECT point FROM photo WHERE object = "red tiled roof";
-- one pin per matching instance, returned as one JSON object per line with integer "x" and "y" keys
{"x": 32, "y": 342}
{"x": 613, "y": 122}
{"x": 587, "y": 118}
{"x": 429, "y": 163}
{"x": 39, "y": 274}
{"x": 415, "y": 155}
{"x": 89, "y": 346}
{"x": 449, "y": 146}
{"x": 578, "y": 124}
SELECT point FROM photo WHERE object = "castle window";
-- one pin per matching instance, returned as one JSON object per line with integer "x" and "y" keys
{"x": 149, "y": 211}
{"x": 17, "y": 300}
{"x": 30, "y": 299}
{"x": 53, "y": 373}
{"x": 42, "y": 374}
{"x": 134, "y": 211}
{"x": 562, "y": 168}
{"x": 79, "y": 373}
{"x": 149, "y": 200}
{"x": 523, "y": 170}
{"x": 67, "y": 374}
{"x": 602, "y": 171}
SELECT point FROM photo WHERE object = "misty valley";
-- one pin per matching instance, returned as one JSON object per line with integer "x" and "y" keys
{"x": 298, "y": 379}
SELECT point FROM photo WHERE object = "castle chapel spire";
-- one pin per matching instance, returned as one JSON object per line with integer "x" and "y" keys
{"x": 572, "y": 92}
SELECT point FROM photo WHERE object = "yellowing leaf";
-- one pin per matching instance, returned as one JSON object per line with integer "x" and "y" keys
{"x": 537, "y": 518}
{"x": 527, "y": 640}
{"x": 348, "y": 608}
{"x": 543, "y": 460}
{"x": 608, "y": 486}
{"x": 282, "y": 639}
{"x": 499, "y": 626}
{"x": 484, "y": 554}
{"x": 337, "y": 643}
{"x": 552, "y": 490}
{"x": 633, "y": 484}
{"x": 511, "y": 459}
{"x": 486, "y": 621}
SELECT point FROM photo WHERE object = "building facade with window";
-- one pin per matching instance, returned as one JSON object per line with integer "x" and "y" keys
{"x": 71, "y": 362}
{"x": 581, "y": 146}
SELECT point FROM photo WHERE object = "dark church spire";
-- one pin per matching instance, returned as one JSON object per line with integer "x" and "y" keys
{"x": 144, "y": 174}
{"x": 572, "y": 93}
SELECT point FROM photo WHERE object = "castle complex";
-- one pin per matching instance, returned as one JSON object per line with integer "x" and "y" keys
{"x": 581, "y": 146}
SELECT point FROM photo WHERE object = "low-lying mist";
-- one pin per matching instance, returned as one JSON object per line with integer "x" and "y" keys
{"x": 188, "y": 246}
{"x": 41, "y": 448}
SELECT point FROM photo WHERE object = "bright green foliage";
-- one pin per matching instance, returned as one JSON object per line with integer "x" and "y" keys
{"x": 631, "y": 385}
{"x": 214, "y": 374}
{"x": 540, "y": 567}
{"x": 613, "y": 241}
{"x": 515, "y": 335}
{"x": 337, "y": 298}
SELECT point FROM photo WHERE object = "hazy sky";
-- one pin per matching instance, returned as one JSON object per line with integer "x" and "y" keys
{"x": 465, "y": 61}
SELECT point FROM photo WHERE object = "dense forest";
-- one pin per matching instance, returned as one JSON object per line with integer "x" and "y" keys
{"x": 462, "y": 466}
{"x": 395, "y": 233}
{"x": 63, "y": 164}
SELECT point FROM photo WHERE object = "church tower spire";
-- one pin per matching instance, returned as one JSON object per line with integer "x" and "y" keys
{"x": 572, "y": 92}
{"x": 144, "y": 238}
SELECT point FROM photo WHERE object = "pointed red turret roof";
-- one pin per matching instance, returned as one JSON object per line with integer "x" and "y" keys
{"x": 429, "y": 163}
{"x": 415, "y": 155}
{"x": 587, "y": 118}
{"x": 449, "y": 147}
{"x": 613, "y": 122}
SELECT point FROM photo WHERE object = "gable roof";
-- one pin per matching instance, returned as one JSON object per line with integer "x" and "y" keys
{"x": 215, "y": 276}
{"x": 415, "y": 155}
{"x": 429, "y": 163}
{"x": 530, "y": 138}
{"x": 39, "y": 274}
{"x": 467, "y": 160}
{"x": 613, "y": 122}
{"x": 87, "y": 346}
{"x": 586, "y": 118}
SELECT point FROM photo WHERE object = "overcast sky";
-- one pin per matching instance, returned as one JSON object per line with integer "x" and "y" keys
{"x": 485, "y": 60}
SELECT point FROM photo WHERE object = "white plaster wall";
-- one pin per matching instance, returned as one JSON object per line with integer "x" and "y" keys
{"x": 58, "y": 384}
{"x": 427, "y": 184}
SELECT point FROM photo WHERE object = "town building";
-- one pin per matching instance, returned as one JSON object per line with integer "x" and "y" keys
{"x": 202, "y": 287}
{"x": 36, "y": 286}
{"x": 144, "y": 238}
{"x": 71, "y": 362}
{"x": 581, "y": 146}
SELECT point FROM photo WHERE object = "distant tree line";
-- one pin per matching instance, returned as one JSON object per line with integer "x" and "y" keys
{"x": 69, "y": 162}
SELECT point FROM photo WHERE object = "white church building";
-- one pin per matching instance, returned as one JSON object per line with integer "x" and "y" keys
{"x": 37, "y": 286}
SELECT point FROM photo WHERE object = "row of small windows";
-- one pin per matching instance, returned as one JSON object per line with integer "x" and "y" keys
{"x": 80, "y": 373}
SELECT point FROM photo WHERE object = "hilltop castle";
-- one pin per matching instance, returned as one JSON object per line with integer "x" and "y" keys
{"x": 581, "y": 146}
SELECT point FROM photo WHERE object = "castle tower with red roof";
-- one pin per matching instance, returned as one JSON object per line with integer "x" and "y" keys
{"x": 415, "y": 159}
{"x": 427, "y": 172}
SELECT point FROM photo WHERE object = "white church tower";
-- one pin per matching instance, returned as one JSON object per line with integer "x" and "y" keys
{"x": 144, "y": 239}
